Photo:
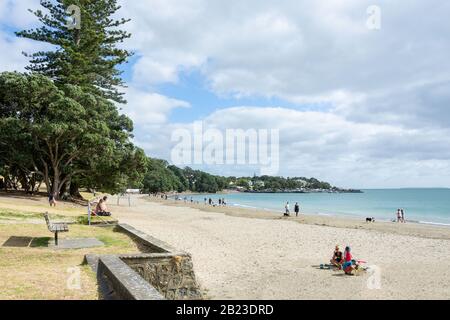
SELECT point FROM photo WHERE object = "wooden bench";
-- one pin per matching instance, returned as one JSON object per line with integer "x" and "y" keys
{"x": 55, "y": 227}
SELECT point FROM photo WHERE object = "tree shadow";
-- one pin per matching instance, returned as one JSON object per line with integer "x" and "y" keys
{"x": 18, "y": 194}
{"x": 25, "y": 242}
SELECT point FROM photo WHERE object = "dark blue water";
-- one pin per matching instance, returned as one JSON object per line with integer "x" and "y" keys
{"x": 420, "y": 205}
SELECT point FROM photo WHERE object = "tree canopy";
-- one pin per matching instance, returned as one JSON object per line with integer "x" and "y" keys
{"x": 162, "y": 177}
{"x": 86, "y": 56}
{"x": 65, "y": 135}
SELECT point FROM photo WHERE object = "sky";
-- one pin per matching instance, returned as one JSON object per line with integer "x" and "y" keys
{"x": 356, "y": 105}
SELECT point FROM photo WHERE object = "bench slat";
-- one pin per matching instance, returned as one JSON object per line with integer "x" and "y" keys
{"x": 57, "y": 226}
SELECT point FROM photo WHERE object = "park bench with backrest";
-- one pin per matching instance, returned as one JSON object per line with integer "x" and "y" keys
{"x": 55, "y": 227}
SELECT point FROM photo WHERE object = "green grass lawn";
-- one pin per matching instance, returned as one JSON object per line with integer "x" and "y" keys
{"x": 30, "y": 269}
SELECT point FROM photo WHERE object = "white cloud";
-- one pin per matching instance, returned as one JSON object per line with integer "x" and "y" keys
{"x": 330, "y": 147}
{"x": 14, "y": 15}
{"x": 299, "y": 51}
{"x": 387, "y": 119}
{"x": 150, "y": 108}
{"x": 147, "y": 71}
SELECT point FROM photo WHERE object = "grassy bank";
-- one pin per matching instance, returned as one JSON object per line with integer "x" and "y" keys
{"x": 31, "y": 269}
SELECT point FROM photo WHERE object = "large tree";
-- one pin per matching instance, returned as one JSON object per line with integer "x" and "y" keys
{"x": 85, "y": 55}
{"x": 65, "y": 134}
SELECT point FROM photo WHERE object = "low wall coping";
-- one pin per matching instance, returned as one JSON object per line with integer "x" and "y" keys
{"x": 128, "y": 282}
{"x": 155, "y": 244}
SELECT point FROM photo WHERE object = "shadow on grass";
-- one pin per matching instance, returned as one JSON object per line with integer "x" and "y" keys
{"x": 96, "y": 221}
{"x": 36, "y": 196}
{"x": 25, "y": 242}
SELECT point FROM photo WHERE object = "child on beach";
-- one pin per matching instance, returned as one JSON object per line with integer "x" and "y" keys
{"x": 348, "y": 261}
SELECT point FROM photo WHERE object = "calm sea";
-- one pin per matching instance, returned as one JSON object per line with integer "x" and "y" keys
{"x": 420, "y": 205}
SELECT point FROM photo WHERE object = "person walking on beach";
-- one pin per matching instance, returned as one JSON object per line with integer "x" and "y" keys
{"x": 296, "y": 209}
{"x": 286, "y": 207}
{"x": 402, "y": 214}
{"x": 399, "y": 216}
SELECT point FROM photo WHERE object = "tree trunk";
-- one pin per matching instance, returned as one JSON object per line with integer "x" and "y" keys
{"x": 56, "y": 187}
{"x": 63, "y": 189}
{"x": 74, "y": 191}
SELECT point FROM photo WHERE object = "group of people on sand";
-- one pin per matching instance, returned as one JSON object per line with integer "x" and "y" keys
{"x": 344, "y": 261}
{"x": 287, "y": 213}
{"x": 209, "y": 201}
{"x": 401, "y": 216}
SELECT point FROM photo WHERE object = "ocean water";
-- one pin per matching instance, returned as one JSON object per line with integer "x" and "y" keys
{"x": 430, "y": 206}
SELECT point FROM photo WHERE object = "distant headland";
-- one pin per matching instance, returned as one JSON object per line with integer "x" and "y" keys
{"x": 162, "y": 177}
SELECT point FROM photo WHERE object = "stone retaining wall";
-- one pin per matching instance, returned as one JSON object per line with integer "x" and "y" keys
{"x": 172, "y": 275}
{"x": 125, "y": 282}
{"x": 162, "y": 272}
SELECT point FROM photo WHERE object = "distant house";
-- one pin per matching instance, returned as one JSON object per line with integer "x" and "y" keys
{"x": 133, "y": 191}
{"x": 260, "y": 183}
{"x": 301, "y": 181}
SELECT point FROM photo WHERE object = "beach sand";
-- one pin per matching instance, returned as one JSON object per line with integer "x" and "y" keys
{"x": 249, "y": 254}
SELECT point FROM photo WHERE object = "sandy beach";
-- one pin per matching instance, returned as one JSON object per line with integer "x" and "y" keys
{"x": 247, "y": 254}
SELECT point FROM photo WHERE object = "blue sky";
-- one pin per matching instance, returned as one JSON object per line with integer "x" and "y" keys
{"x": 354, "y": 105}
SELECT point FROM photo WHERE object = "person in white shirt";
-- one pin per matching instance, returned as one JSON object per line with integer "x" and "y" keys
{"x": 287, "y": 213}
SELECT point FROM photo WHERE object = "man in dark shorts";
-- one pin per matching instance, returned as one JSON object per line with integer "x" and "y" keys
{"x": 296, "y": 209}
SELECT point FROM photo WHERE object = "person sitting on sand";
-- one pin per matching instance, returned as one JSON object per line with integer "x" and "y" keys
{"x": 337, "y": 258}
{"x": 348, "y": 261}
